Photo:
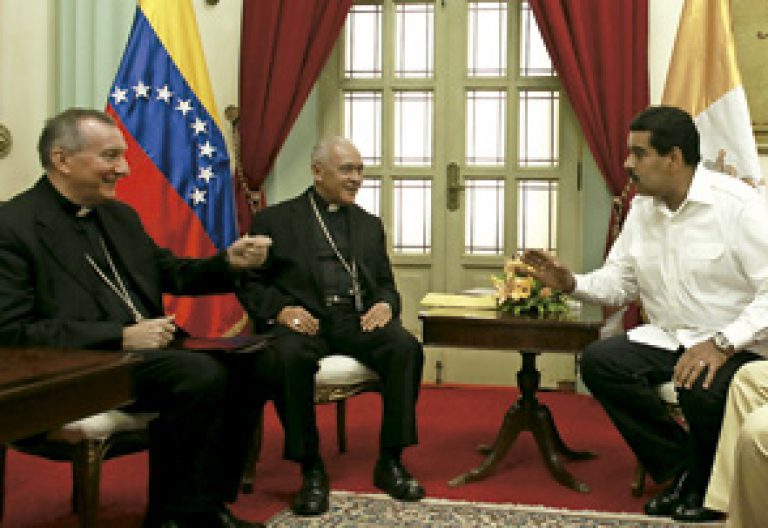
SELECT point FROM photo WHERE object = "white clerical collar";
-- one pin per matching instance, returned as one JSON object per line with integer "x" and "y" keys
{"x": 83, "y": 212}
{"x": 324, "y": 204}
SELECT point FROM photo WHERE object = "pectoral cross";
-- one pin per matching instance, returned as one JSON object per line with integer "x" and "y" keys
{"x": 357, "y": 292}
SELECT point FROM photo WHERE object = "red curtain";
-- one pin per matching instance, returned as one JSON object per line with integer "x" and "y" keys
{"x": 284, "y": 45}
{"x": 600, "y": 51}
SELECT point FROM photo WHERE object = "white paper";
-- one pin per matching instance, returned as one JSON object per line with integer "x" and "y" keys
{"x": 654, "y": 336}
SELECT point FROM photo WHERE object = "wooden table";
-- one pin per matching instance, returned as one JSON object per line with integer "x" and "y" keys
{"x": 41, "y": 389}
{"x": 456, "y": 327}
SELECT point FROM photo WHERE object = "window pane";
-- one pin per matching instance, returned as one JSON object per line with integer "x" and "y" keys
{"x": 539, "y": 129}
{"x": 412, "y": 216}
{"x": 484, "y": 217}
{"x": 369, "y": 196}
{"x": 534, "y": 57}
{"x": 537, "y": 215}
{"x": 487, "y": 39}
{"x": 486, "y": 111}
{"x": 413, "y": 128}
{"x": 415, "y": 40}
{"x": 362, "y": 124}
{"x": 362, "y": 42}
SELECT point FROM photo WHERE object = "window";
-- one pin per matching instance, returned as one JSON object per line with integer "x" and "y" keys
{"x": 425, "y": 84}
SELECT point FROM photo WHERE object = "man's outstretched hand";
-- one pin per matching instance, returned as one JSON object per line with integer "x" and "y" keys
{"x": 249, "y": 251}
{"x": 547, "y": 269}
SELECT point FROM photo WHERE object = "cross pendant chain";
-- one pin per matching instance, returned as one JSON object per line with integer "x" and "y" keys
{"x": 119, "y": 288}
{"x": 356, "y": 291}
{"x": 351, "y": 269}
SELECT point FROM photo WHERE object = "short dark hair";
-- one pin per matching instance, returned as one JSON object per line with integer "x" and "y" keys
{"x": 669, "y": 127}
{"x": 63, "y": 130}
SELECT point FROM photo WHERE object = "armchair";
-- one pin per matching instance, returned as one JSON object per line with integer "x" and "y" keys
{"x": 85, "y": 443}
{"x": 340, "y": 377}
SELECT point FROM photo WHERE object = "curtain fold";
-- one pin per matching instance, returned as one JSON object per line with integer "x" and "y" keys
{"x": 600, "y": 51}
{"x": 284, "y": 45}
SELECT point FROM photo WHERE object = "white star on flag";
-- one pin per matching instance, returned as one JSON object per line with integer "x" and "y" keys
{"x": 164, "y": 94}
{"x": 198, "y": 196}
{"x": 119, "y": 95}
{"x": 142, "y": 90}
{"x": 206, "y": 149}
{"x": 199, "y": 126}
{"x": 206, "y": 173}
{"x": 184, "y": 106}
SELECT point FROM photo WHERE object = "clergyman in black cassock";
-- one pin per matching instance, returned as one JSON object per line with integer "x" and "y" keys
{"x": 327, "y": 287}
{"x": 77, "y": 270}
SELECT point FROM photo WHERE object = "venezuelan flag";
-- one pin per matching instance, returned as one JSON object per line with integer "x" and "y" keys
{"x": 704, "y": 79}
{"x": 180, "y": 180}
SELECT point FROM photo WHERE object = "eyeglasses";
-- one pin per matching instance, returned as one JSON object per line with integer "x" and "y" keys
{"x": 349, "y": 168}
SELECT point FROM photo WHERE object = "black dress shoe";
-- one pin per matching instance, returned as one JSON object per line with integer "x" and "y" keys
{"x": 691, "y": 509}
{"x": 312, "y": 498}
{"x": 665, "y": 502}
{"x": 391, "y": 477}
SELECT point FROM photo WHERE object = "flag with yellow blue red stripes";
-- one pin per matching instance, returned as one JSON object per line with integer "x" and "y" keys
{"x": 180, "y": 180}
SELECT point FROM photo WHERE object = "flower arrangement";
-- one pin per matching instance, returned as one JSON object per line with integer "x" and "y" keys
{"x": 522, "y": 294}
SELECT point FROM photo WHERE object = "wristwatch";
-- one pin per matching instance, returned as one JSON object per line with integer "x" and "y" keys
{"x": 722, "y": 343}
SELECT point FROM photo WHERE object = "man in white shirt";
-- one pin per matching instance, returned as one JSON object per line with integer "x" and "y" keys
{"x": 694, "y": 252}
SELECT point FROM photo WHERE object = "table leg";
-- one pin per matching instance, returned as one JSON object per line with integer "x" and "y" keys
{"x": 552, "y": 447}
{"x": 546, "y": 423}
{"x": 514, "y": 422}
{"x": 528, "y": 414}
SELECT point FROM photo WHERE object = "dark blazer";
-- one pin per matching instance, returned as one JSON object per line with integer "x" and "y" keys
{"x": 48, "y": 291}
{"x": 291, "y": 275}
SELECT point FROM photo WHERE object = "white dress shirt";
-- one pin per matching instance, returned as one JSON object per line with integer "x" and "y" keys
{"x": 697, "y": 270}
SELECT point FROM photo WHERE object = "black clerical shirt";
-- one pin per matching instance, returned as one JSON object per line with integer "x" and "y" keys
{"x": 86, "y": 223}
{"x": 336, "y": 279}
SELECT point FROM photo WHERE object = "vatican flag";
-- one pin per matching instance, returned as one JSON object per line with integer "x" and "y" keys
{"x": 704, "y": 79}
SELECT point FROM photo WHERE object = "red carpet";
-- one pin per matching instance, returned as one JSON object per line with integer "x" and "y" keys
{"x": 452, "y": 422}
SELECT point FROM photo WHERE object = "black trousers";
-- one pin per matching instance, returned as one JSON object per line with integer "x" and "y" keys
{"x": 292, "y": 360}
{"x": 207, "y": 413}
{"x": 622, "y": 376}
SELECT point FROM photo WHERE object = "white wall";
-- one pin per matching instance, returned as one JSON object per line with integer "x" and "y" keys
{"x": 219, "y": 27}
{"x": 26, "y": 86}
{"x": 291, "y": 173}
{"x": 663, "y": 17}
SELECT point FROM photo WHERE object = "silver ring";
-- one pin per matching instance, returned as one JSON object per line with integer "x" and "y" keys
{"x": 296, "y": 322}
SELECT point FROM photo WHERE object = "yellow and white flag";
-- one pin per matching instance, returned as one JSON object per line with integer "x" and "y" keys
{"x": 704, "y": 79}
